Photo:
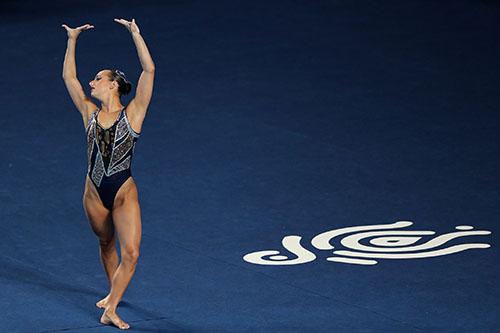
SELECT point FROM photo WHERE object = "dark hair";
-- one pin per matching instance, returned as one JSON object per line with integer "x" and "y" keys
{"x": 124, "y": 86}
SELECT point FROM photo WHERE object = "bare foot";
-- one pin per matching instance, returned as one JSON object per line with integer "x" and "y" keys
{"x": 110, "y": 317}
{"x": 102, "y": 303}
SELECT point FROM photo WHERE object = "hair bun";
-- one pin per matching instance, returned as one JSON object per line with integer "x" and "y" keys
{"x": 124, "y": 86}
{"x": 128, "y": 87}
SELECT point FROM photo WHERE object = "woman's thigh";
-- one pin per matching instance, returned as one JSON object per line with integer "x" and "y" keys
{"x": 126, "y": 215}
{"x": 99, "y": 217}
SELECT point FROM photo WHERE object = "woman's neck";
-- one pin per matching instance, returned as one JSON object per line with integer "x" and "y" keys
{"x": 113, "y": 104}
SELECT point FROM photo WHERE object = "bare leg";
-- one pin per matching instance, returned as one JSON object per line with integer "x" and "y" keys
{"x": 109, "y": 259}
{"x": 127, "y": 221}
{"x": 100, "y": 220}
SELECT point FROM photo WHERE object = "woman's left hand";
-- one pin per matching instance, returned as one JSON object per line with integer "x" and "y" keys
{"x": 130, "y": 25}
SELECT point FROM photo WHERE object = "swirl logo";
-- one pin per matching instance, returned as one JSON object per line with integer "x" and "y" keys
{"x": 384, "y": 244}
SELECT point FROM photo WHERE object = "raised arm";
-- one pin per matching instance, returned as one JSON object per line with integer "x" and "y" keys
{"x": 138, "y": 106}
{"x": 82, "y": 102}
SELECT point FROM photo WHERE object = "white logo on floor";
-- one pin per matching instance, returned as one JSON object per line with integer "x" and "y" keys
{"x": 387, "y": 244}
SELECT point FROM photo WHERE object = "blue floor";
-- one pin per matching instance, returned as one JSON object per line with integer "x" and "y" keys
{"x": 269, "y": 120}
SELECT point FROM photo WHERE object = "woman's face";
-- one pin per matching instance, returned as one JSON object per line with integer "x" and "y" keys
{"x": 101, "y": 85}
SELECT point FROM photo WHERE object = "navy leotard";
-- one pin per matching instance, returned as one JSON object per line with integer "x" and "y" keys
{"x": 109, "y": 152}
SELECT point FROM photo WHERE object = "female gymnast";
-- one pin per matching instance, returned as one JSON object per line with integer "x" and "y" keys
{"x": 110, "y": 199}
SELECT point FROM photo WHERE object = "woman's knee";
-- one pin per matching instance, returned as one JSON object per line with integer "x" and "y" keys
{"x": 130, "y": 255}
{"x": 105, "y": 234}
{"x": 107, "y": 243}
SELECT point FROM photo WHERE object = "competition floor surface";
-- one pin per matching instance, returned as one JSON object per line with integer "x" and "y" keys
{"x": 304, "y": 166}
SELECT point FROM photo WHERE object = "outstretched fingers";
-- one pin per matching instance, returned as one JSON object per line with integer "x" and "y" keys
{"x": 82, "y": 27}
{"x": 85, "y": 27}
{"x": 130, "y": 25}
{"x": 122, "y": 21}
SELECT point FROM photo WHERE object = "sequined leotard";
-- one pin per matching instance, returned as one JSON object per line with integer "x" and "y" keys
{"x": 109, "y": 152}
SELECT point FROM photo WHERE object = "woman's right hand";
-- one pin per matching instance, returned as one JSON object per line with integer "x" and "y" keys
{"x": 73, "y": 33}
